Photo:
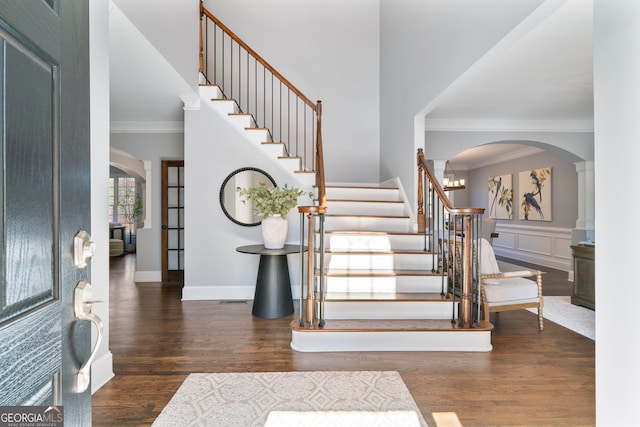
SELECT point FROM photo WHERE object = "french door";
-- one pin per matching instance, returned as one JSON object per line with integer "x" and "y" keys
{"x": 172, "y": 221}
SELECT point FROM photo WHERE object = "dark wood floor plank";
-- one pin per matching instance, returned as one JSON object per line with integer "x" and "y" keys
{"x": 530, "y": 378}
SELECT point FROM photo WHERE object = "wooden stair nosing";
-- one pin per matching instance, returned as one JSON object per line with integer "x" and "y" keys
{"x": 378, "y": 273}
{"x": 367, "y": 216}
{"x": 361, "y": 187}
{"x": 391, "y": 325}
{"x": 400, "y": 202}
{"x": 387, "y": 297}
{"x": 373, "y": 232}
{"x": 377, "y": 252}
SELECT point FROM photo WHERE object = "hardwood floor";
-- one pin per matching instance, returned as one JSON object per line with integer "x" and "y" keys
{"x": 529, "y": 379}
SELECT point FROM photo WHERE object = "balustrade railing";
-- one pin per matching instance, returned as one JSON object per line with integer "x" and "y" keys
{"x": 291, "y": 118}
{"x": 258, "y": 89}
{"x": 452, "y": 236}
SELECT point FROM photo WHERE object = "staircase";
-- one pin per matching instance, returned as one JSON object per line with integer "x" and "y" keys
{"x": 260, "y": 138}
{"x": 383, "y": 289}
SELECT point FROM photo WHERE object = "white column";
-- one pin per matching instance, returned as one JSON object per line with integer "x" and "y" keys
{"x": 616, "y": 84}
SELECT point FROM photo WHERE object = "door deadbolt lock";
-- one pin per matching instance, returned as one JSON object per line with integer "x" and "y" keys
{"x": 83, "y": 249}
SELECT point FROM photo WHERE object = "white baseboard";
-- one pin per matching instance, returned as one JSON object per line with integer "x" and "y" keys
{"x": 101, "y": 371}
{"x": 147, "y": 276}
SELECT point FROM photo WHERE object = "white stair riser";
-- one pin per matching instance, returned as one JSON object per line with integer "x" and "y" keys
{"x": 258, "y": 136}
{"x": 210, "y": 92}
{"x": 224, "y": 107}
{"x": 374, "y": 241}
{"x": 355, "y": 261}
{"x": 365, "y": 208}
{"x": 240, "y": 121}
{"x": 291, "y": 163}
{"x": 355, "y": 193}
{"x": 389, "y": 309}
{"x": 273, "y": 150}
{"x": 384, "y": 284}
{"x": 326, "y": 341}
{"x": 367, "y": 223}
{"x": 306, "y": 179}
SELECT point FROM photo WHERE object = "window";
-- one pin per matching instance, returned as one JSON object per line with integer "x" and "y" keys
{"x": 124, "y": 202}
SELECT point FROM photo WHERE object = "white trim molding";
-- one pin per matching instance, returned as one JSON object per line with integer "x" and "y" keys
{"x": 482, "y": 125}
{"x": 147, "y": 276}
{"x": 546, "y": 246}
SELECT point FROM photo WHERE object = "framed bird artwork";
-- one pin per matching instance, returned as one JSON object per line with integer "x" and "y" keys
{"x": 500, "y": 201}
{"x": 535, "y": 188}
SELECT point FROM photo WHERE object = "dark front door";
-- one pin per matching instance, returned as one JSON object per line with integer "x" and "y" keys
{"x": 44, "y": 202}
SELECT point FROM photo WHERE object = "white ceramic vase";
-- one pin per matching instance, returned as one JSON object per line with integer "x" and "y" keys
{"x": 274, "y": 231}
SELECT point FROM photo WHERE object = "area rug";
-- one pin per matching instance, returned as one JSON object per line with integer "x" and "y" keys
{"x": 371, "y": 398}
{"x": 559, "y": 309}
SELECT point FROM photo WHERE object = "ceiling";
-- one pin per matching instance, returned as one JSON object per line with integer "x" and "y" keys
{"x": 544, "y": 76}
{"x": 542, "y": 81}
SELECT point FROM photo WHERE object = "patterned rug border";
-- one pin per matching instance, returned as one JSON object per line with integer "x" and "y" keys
{"x": 246, "y": 399}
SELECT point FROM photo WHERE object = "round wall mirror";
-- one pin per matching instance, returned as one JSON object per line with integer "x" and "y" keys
{"x": 232, "y": 205}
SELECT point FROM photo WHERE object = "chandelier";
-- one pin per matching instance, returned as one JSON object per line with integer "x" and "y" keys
{"x": 450, "y": 180}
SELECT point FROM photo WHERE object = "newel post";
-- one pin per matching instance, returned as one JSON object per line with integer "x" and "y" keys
{"x": 466, "y": 303}
{"x": 421, "y": 174}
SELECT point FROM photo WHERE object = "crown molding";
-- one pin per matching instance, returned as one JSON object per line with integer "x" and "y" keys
{"x": 480, "y": 125}
{"x": 147, "y": 127}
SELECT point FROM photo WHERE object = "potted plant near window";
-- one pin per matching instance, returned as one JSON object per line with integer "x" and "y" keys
{"x": 130, "y": 206}
{"x": 272, "y": 204}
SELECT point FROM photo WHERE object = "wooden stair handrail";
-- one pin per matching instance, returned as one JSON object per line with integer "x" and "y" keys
{"x": 318, "y": 210}
{"x": 422, "y": 165}
{"x": 468, "y": 262}
{"x": 204, "y": 11}
{"x": 320, "y": 179}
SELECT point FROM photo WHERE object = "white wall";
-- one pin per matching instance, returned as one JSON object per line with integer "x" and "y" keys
{"x": 425, "y": 46}
{"x": 564, "y": 189}
{"x": 213, "y": 267}
{"x": 172, "y": 27}
{"x": 617, "y": 132}
{"x": 330, "y": 51}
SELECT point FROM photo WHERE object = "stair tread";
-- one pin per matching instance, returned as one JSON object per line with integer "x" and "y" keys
{"x": 391, "y": 325}
{"x": 379, "y": 273}
{"x": 385, "y": 296}
{"x": 365, "y": 201}
{"x": 373, "y": 232}
{"x": 378, "y": 252}
{"x": 361, "y": 187}
{"x": 367, "y": 216}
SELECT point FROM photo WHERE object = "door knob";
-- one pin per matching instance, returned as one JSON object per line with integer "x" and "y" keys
{"x": 83, "y": 249}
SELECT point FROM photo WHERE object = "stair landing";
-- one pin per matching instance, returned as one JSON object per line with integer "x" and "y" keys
{"x": 391, "y": 335}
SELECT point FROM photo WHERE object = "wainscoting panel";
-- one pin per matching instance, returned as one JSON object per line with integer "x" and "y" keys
{"x": 546, "y": 246}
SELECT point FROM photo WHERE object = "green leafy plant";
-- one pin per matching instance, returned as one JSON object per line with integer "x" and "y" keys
{"x": 270, "y": 201}
{"x": 130, "y": 207}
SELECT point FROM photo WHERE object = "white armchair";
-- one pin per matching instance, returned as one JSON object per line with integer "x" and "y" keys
{"x": 503, "y": 291}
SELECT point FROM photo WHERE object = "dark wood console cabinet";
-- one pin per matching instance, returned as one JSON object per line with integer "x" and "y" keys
{"x": 584, "y": 292}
